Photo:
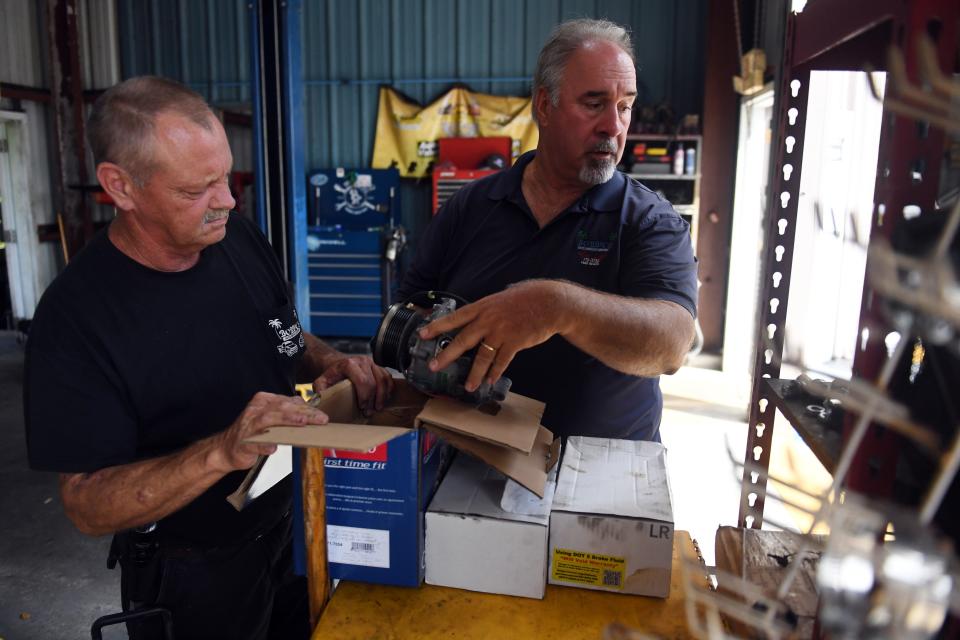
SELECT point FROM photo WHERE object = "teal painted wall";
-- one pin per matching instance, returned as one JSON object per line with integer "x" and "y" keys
{"x": 203, "y": 43}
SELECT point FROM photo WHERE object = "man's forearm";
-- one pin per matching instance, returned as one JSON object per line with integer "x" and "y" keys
{"x": 642, "y": 337}
{"x": 135, "y": 494}
{"x": 317, "y": 358}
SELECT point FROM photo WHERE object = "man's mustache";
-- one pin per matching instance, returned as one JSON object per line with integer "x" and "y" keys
{"x": 605, "y": 146}
{"x": 215, "y": 214}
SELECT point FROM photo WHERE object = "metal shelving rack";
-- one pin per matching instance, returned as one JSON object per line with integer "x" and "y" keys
{"x": 689, "y": 210}
{"x": 841, "y": 35}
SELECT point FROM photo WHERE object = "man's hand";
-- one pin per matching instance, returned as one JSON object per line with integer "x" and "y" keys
{"x": 130, "y": 495}
{"x": 263, "y": 411}
{"x": 519, "y": 317}
{"x": 373, "y": 384}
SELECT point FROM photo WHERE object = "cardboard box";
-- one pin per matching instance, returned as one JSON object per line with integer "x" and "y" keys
{"x": 375, "y": 505}
{"x": 382, "y": 470}
{"x": 611, "y": 526}
{"x": 473, "y": 543}
{"x": 375, "y": 501}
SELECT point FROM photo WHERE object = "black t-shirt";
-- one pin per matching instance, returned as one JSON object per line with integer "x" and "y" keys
{"x": 619, "y": 238}
{"x": 125, "y": 363}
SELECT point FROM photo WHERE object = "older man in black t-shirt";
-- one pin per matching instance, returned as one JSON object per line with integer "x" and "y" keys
{"x": 584, "y": 280}
{"x": 162, "y": 346}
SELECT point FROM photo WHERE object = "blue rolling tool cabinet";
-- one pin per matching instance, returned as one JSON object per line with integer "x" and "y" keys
{"x": 351, "y": 231}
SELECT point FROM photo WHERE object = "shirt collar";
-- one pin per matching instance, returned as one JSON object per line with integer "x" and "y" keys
{"x": 602, "y": 197}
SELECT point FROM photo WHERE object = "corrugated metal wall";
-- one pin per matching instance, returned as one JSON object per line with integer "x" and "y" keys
{"x": 422, "y": 47}
{"x": 202, "y": 43}
{"x": 21, "y": 46}
{"x": 98, "y": 37}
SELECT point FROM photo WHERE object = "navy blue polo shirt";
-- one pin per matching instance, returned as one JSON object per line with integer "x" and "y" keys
{"x": 620, "y": 238}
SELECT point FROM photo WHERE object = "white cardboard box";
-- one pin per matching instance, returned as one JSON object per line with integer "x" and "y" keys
{"x": 473, "y": 543}
{"x": 611, "y": 525}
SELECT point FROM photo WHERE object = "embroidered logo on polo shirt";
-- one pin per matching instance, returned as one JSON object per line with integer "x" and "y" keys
{"x": 291, "y": 338}
{"x": 591, "y": 253}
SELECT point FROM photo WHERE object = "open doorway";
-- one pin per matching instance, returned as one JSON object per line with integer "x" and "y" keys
{"x": 834, "y": 216}
{"x": 21, "y": 288}
{"x": 731, "y": 385}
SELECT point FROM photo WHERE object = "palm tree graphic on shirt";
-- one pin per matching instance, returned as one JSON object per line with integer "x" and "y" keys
{"x": 286, "y": 346}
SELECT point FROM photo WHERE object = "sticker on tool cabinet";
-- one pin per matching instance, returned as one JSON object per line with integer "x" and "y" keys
{"x": 594, "y": 569}
{"x": 364, "y": 547}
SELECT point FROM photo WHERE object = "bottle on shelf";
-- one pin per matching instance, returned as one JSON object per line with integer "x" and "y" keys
{"x": 690, "y": 163}
{"x": 678, "y": 160}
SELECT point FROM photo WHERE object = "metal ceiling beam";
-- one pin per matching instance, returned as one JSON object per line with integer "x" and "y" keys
{"x": 22, "y": 92}
{"x": 825, "y": 25}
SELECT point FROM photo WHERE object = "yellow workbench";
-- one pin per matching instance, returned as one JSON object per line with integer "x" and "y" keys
{"x": 364, "y": 611}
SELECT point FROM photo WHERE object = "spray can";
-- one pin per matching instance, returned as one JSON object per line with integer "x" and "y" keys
{"x": 690, "y": 166}
{"x": 678, "y": 159}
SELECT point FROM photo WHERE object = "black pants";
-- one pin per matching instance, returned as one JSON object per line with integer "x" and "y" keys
{"x": 237, "y": 593}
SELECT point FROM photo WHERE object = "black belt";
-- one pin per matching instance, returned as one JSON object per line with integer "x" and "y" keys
{"x": 143, "y": 542}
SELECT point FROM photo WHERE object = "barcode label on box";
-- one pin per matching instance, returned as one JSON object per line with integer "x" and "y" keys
{"x": 363, "y": 547}
{"x": 593, "y": 569}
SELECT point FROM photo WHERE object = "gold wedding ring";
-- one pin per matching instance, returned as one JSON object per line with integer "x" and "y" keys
{"x": 488, "y": 347}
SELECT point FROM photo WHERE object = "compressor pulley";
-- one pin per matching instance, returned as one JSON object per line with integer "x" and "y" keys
{"x": 398, "y": 345}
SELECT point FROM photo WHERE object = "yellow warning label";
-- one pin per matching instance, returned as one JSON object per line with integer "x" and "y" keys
{"x": 594, "y": 569}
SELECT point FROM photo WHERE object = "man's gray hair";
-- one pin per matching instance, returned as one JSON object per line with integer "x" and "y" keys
{"x": 121, "y": 124}
{"x": 566, "y": 38}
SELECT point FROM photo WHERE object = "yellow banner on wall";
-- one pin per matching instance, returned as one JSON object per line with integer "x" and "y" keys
{"x": 407, "y": 132}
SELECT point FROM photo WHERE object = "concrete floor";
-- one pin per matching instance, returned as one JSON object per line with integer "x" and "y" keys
{"x": 703, "y": 477}
{"x": 706, "y": 492}
{"x": 54, "y": 581}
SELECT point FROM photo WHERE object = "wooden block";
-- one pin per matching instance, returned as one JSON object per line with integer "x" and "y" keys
{"x": 315, "y": 531}
{"x": 762, "y": 558}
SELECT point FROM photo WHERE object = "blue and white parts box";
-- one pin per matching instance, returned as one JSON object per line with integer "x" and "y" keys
{"x": 381, "y": 471}
{"x": 487, "y": 533}
{"x": 376, "y": 498}
{"x": 611, "y": 524}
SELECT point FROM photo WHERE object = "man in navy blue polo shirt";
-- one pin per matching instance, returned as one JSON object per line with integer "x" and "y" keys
{"x": 584, "y": 279}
